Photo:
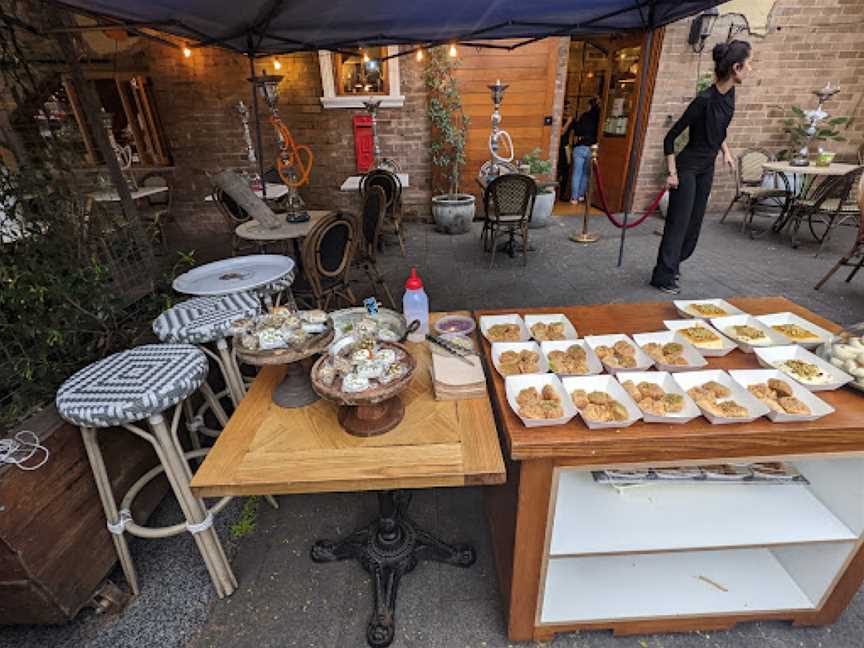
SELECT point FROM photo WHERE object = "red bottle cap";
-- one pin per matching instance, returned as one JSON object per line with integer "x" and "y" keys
{"x": 413, "y": 282}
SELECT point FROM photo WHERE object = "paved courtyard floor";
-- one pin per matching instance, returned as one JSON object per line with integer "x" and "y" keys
{"x": 286, "y": 600}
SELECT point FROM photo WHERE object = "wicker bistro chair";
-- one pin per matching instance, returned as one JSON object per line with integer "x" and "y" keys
{"x": 327, "y": 252}
{"x": 371, "y": 221}
{"x": 508, "y": 202}
{"x": 855, "y": 257}
{"x": 751, "y": 190}
{"x": 392, "y": 187}
{"x": 158, "y": 210}
{"x": 829, "y": 206}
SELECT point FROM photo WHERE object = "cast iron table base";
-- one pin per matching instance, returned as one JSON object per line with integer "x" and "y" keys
{"x": 389, "y": 548}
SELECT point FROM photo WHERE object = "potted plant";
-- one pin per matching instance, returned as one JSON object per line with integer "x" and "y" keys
{"x": 804, "y": 128}
{"x": 453, "y": 212}
{"x": 544, "y": 203}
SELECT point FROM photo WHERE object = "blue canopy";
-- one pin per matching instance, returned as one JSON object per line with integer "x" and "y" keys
{"x": 263, "y": 27}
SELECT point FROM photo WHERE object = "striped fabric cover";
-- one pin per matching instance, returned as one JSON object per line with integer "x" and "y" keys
{"x": 132, "y": 385}
{"x": 210, "y": 319}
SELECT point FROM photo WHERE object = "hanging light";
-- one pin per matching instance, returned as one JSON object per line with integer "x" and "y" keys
{"x": 365, "y": 57}
{"x": 453, "y": 51}
{"x": 186, "y": 51}
{"x": 276, "y": 64}
{"x": 420, "y": 54}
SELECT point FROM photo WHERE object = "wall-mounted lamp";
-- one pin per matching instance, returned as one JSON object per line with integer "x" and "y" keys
{"x": 186, "y": 51}
{"x": 700, "y": 28}
{"x": 276, "y": 64}
{"x": 453, "y": 52}
{"x": 420, "y": 54}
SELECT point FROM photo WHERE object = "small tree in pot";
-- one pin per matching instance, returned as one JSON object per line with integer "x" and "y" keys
{"x": 453, "y": 211}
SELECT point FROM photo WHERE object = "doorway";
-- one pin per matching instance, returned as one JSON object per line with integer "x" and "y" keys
{"x": 608, "y": 70}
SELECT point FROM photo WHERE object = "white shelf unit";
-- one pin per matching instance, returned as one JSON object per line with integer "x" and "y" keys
{"x": 689, "y": 550}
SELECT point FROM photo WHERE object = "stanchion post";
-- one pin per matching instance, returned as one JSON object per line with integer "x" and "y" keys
{"x": 585, "y": 236}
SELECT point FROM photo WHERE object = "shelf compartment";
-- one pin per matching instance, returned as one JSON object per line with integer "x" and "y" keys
{"x": 600, "y": 588}
{"x": 592, "y": 518}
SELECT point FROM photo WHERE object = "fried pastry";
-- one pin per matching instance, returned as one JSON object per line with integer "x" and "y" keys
{"x": 618, "y": 411}
{"x": 599, "y": 398}
{"x": 549, "y": 393}
{"x": 706, "y": 310}
{"x": 748, "y": 334}
{"x": 632, "y": 390}
{"x": 670, "y": 353}
{"x": 797, "y": 333}
{"x": 533, "y": 411}
{"x": 794, "y": 406}
{"x": 624, "y": 348}
{"x": 508, "y": 357}
{"x": 528, "y": 396}
{"x": 524, "y": 362}
{"x": 509, "y": 368}
{"x": 781, "y": 387}
{"x": 573, "y": 361}
{"x": 673, "y": 403}
{"x": 599, "y": 413}
{"x": 504, "y": 333}
{"x": 603, "y": 351}
{"x": 718, "y": 390}
{"x": 545, "y": 404}
{"x": 580, "y": 398}
{"x": 651, "y": 390}
{"x": 672, "y": 349}
{"x": 702, "y": 336}
{"x": 708, "y": 395}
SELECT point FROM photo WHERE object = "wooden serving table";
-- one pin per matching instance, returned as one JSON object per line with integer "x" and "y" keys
{"x": 267, "y": 449}
{"x": 572, "y": 554}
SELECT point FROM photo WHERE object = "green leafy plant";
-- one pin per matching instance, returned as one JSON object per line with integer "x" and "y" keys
{"x": 447, "y": 116}
{"x": 248, "y": 518}
{"x": 797, "y": 124}
{"x": 537, "y": 165}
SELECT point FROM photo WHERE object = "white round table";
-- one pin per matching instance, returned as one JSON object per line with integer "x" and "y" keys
{"x": 235, "y": 275}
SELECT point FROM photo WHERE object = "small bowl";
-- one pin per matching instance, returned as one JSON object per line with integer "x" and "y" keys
{"x": 454, "y": 324}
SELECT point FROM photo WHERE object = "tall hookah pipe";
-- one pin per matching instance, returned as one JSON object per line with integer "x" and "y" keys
{"x": 498, "y": 138}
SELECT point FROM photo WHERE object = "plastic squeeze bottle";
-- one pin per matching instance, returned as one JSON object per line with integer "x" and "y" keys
{"x": 415, "y": 306}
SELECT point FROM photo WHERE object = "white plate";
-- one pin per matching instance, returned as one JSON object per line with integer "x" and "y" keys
{"x": 694, "y": 359}
{"x": 791, "y": 318}
{"x": 818, "y": 407}
{"x": 643, "y": 361}
{"x": 234, "y": 275}
{"x": 727, "y": 344}
{"x": 612, "y": 387}
{"x": 594, "y": 364}
{"x": 500, "y": 347}
{"x": 682, "y": 306}
{"x": 722, "y": 323}
{"x": 487, "y": 321}
{"x": 514, "y": 384}
{"x": 551, "y": 318}
{"x": 769, "y": 358}
{"x": 754, "y": 406}
{"x": 665, "y": 380}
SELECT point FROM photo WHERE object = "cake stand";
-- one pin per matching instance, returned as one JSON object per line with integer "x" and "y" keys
{"x": 295, "y": 390}
{"x": 373, "y": 411}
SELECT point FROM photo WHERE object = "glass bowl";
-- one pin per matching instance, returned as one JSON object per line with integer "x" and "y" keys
{"x": 455, "y": 325}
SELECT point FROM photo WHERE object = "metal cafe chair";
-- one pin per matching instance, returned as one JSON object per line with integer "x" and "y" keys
{"x": 508, "y": 202}
{"x": 327, "y": 253}
{"x": 392, "y": 187}
{"x": 751, "y": 190}
{"x": 855, "y": 257}
{"x": 371, "y": 221}
{"x": 829, "y": 206}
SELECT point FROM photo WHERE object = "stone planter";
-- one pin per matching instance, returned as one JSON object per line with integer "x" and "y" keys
{"x": 544, "y": 203}
{"x": 453, "y": 214}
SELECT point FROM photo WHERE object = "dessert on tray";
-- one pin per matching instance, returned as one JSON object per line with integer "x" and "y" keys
{"x": 543, "y": 404}
{"x": 544, "y": 331}
{"x": 713, "y": 398}
{"x": 280, "y": 329}
{"x": 702, "y": 336}
{"x": 573, "y": 361}
{"x": 653, "y": 399}
{"x": 363, "y": 365}
{"x": 779, "y": 396}
{"x": 804, "y": 372}
{"x": 504, "y": 333}
{"x": 599, "y": 406}
{"x": 748, "y": 334}
{"x": 512, "y": 363}
{"x": 706, "y": 310}
{"x": 670, "y": 353}
{"x": 621, "y": 355}
{"x": 796, "y": 332}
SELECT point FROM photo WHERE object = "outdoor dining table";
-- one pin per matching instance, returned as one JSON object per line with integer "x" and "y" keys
{"x": 801, "y": 190}
{"x": 352, "y": 183}
{"x": 267, "y": 449}
{"x": 575, "y": 554}
{"x": 275, "y": 190}
{"x": 252, "y": 230}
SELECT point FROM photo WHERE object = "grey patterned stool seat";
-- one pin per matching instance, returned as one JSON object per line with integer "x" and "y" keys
{"x": 131, "y": 386}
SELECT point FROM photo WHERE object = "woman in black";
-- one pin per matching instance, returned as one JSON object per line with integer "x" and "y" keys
{"x": 692, "y": 172}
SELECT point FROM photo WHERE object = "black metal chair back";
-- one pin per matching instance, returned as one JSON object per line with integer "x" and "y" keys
{"x": 328, "y": 248}
{"x": 234, "y": 214}
{"x": 374, "y": 209}
{"x": 389, "y": 183}
{"x": 510, "y": 197}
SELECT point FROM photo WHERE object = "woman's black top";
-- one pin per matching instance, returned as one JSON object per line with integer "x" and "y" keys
{"x": 708, "y": 116}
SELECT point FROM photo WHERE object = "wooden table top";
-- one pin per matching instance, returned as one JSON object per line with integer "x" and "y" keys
{"x": 659, "y": 444}
{"x": 254, "y": 231}
{"x": 833, "y": 169}
{"x": 266, "y": 449}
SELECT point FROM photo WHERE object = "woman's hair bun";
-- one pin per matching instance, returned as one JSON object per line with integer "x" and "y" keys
{"x": 719, "y": 52}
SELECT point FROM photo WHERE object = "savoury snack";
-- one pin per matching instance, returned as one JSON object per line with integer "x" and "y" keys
{"x": 709, "y": 399}
{"x": 545, "y": 404}
{"x": 778, "y": 395}
{"x": 512, "y": 363}
{"x": 621, "y": 355}
{"x": 573, "y": 361}
{"x": 504, "y": 333}
{"x": 652, "y": 399}
{"x": 546, "y": 332}
{"x": 598, "y": 406}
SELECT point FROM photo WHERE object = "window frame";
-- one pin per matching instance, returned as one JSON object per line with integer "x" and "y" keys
{"x": 330, "y": 99}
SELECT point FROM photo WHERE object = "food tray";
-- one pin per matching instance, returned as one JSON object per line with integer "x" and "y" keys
{"x": 594, "y": 364}
{"x": 643, "y": 361}
{"x": 769, "y": 358}
{"x": 818, "y": 407}
{"x": 500, "y": 347}
{"x": 682, "y": 306}
{"x": 695, "y": 360}
{"x": 755, "y": 407}
{"x": 721, "y": 323}
{"x": 514, "y": 384}
{"x": 665, "y": 380}
{"x": 727, "y": 345}
{"x": 792, "y": 318}
{"x": 487, "y": 321}
{"x": 608, "y": 384}
{"x": 236, "y": 274}
{"x": 345, "y": 319}
{"x": 551, "y": 318}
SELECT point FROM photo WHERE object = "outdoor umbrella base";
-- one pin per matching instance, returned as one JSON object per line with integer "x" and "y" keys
{"x": 388, "y": 548}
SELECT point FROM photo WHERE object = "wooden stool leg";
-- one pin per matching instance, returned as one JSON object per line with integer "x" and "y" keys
{"x": 109, "y": 504}
{"x": 191, "y": 424}
{"x": 232, "y": 373}
{"x": 178, "y": 474}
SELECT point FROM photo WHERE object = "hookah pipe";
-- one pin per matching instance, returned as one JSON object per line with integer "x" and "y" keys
{"x": 294, "y": 162}
{"x": 247, "y": 136}
{"x": 498, "y": 136}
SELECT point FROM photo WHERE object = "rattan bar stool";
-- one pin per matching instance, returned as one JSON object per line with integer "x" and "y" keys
{"x": 129, "y": 387}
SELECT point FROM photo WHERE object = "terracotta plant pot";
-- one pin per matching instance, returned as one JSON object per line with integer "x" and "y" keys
{"x": 453, "y": 214}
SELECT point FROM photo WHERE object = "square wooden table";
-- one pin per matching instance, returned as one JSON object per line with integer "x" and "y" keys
{"x": 570, "y": 556}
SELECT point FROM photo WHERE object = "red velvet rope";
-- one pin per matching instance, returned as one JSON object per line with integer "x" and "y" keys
{"x": 609, "y": 214}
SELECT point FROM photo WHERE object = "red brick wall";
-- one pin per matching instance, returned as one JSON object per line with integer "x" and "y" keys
{"x": 809, "y": 42}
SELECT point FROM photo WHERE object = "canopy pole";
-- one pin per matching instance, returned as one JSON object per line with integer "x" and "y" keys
{"x": 260, "y": 150}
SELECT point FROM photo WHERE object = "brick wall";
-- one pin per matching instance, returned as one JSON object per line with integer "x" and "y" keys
{"x": 197, "y": 98}
{"x": 808, "y": 43}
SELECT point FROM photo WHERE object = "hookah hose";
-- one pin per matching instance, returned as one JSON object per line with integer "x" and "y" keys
{"x": 609, "y": 214}
{"x": 504, "y": 136}
{"x": 291, "y": 156}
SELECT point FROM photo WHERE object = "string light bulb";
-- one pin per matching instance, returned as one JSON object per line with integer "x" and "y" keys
{"x": 276, "y": 64}
{"x": 186, "y": 51}
{"x": 365, "y": 57}
{"x": 420, "y": 54}
{"x": 453, "y": 52}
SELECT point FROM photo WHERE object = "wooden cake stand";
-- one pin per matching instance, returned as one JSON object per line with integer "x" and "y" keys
{"x": 295, "y": 390}
{"x": 371, "y": 412}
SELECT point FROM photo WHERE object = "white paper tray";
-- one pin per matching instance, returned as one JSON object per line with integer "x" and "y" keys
{"x": 643, "y": 361}
{"x": 550, "y": 318}
{"x": 755, "y": 407}
{"x": 665, "y": 380}
{"x": 612, "y": 387}
{"x": 681, "y": 305}
{"x": 500, "y": 347}
{"x": 769, "y": 358}
{"x": 695, "y": 360}
{"x": 792, "y": 318}
{"x": 722, "y": 323}
{"x": 594, "y": 364}
{"x": 727, "y": 344}
{"x": 514, "y": 384}
{"x": 487, "y": 321}
{"x": 818, "y": 407}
